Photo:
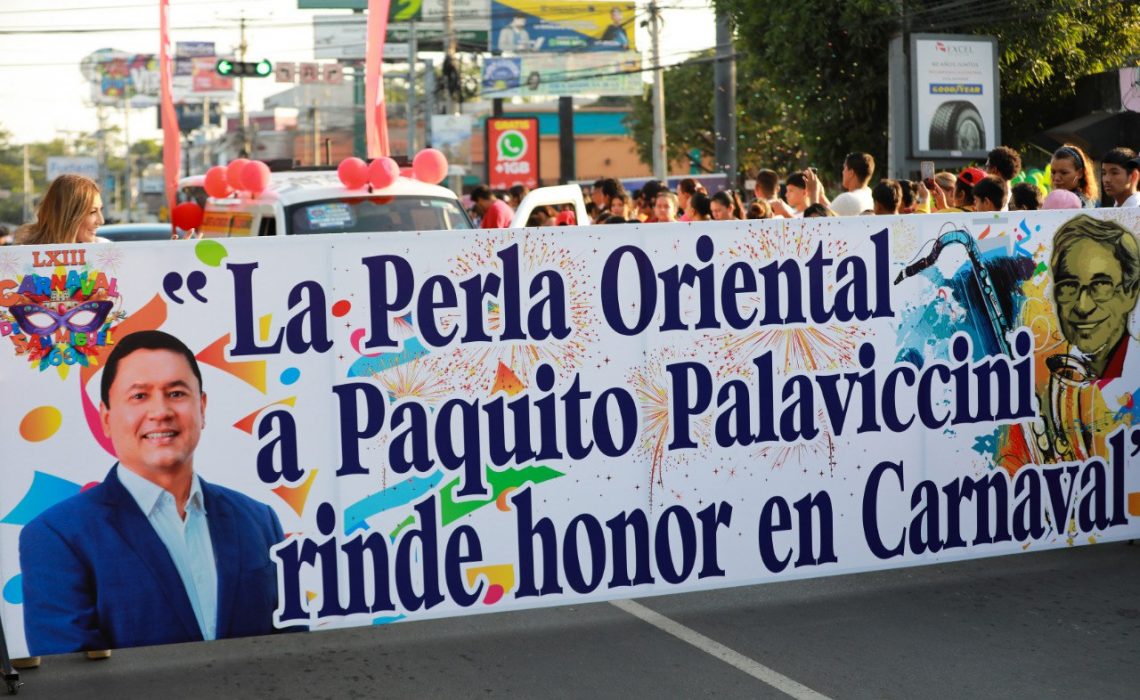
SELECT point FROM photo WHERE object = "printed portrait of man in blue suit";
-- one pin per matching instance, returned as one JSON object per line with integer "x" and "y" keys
{"x": 154, "y": 554}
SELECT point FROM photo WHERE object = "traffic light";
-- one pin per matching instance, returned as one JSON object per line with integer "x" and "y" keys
{"x": 243, "y": 69}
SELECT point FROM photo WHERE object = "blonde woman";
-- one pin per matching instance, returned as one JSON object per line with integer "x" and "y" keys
{"x": 70, "y": 212}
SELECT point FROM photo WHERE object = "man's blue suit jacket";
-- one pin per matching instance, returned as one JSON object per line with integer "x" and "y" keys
{"x": 97, "y": 576}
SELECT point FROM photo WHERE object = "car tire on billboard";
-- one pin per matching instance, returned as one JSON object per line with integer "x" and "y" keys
{"x": 957, "y": 126}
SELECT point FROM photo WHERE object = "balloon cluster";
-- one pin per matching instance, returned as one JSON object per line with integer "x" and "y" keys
{"x": 241, "y": 174}
{"x": 428, "y": 166}
{"x": 221, "y": 181}
{"x": 1042, "y": 178}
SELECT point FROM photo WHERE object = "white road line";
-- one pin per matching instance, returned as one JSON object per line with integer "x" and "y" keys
{"x": 714, "y": 648}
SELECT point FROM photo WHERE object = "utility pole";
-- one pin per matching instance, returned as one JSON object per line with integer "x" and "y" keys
{"x": 316, "y": 134}
{"x": 429, "y": 99}
{"x": 725, "y": 116}
{"x": 127, "y": 138}
{"x": 449, "y": 50}
{"x": 206, "y": 113}
{"x": 410, "y": 105}
{"x": 242, "y": 116}
{"x": 660, "y": 161}
{"x": 27, "y": 186}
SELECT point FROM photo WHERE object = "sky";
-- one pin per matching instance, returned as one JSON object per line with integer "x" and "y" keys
{"x": 44, "y": 96}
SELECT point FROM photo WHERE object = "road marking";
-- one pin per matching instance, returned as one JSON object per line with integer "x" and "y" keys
{"x": 714, "y": 648}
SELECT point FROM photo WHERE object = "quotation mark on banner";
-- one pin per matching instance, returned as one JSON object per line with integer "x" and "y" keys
{"x": 195, "y": 283}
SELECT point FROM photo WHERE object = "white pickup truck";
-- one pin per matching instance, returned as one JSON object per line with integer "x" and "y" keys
{"x": 555, "y": 196}
{"x": 305, "y": 202}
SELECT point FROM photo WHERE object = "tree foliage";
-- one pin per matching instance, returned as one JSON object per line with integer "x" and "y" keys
{"x": 12, "y": 165}
{"x": 812, "y": 75}
{"x": 1044, "y": 47}
{"x": 827, "y": 63}
{"x": 763, "y": 135}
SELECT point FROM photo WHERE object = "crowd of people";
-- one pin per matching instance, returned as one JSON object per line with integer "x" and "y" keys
{"x": 999, "y": 185}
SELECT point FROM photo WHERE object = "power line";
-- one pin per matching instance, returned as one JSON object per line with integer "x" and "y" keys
{"x": 347, "y": 19}
{"x": 82, "y": 8}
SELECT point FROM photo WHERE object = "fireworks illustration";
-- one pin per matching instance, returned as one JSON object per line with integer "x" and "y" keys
{"x": 417, "y": 379}
{"x": 808, "y": 455}
{"x": 793, "y": 348}
{"x": 650, "y": 384}
{"x": 9, "y": 264}
{"x": 108, "y": 257}
{"x": 470, "y": 365}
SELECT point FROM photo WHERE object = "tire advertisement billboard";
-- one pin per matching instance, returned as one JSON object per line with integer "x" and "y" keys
{"x": 512, "y": 152}
{"x": 954, "y": 81}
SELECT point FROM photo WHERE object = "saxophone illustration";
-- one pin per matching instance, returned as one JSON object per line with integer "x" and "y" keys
{"x": 1049, "y": 439}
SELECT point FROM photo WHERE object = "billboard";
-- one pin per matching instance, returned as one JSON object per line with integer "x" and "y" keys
{"x": 532, "y": 75}
{"x": 77, "y": 165}
{"x": 520, "y": 26}
{"x": 458, "y": 422}
{"x": 955, "y": 89}
{"x": 398, "y": 10}
{"x": 451, "y": 134}
{"x": 512, "y": 148}
{"x": 117, "y": 77}
{"x": 342, "y": 36}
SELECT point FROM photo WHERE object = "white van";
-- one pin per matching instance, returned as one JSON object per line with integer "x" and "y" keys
{"x": 303, "y": 202}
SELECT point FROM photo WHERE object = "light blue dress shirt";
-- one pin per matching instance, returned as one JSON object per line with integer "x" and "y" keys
{"x": 187, "y": 541}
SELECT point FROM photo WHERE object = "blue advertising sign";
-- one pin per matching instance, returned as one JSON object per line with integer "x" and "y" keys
{"x": 562, "y": 25}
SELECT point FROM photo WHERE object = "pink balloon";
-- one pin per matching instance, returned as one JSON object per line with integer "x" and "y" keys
{"x": 353, "y": 173}
{"x": 216, "y": 185}
{"x": 382, "y": 172}
{"x": 255, "y": 176}
{"x": 234, "y": 171}
{"x": 407, "y": 172}
{"x": 430, "y": 166}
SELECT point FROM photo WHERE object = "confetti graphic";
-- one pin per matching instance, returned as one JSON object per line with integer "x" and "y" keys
{"x": 500, "y": 580}
{"x": 297, "y": 496}
{"x": 357, "y": 514}
{"x": 246, "y": 424}
{"x": 46, "y": 490}
{"x": 40, "y": 423}
{"x": 251, "y": 372}
{"x": 499, "y": 481}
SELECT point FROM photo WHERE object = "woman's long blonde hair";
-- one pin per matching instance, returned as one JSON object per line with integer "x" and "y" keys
{"x": 69, "y": 198}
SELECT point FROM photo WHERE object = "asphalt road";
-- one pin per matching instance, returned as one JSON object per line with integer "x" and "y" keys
{"x": 1060, "y": 624}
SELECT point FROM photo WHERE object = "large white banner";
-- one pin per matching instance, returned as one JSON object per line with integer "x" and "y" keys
{"x": 426, "y": 424}
{"x": 955, "y": 105}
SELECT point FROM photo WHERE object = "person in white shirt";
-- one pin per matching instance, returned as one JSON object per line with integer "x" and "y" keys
{"x": 1119, "y": 175}
{"x": 857, "y": 171}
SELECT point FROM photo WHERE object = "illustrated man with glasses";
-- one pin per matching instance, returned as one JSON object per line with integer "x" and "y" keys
{"x": 1096, "y": 278}
{"x": 1095, "y": 267}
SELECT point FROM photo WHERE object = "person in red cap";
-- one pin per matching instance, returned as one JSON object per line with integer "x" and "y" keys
{"x": 566, "y": 218}
{"x": 963, "y": 192}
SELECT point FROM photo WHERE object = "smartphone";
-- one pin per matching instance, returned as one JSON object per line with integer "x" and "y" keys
{"x": 926, "y": 169}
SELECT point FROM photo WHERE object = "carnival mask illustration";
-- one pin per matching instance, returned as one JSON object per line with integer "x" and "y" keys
{"x": 40, "y": 320}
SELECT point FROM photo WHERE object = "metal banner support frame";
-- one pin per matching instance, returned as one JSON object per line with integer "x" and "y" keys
{"x": 11, "y": 676}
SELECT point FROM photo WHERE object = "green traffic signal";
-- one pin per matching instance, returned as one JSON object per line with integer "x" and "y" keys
{"x": 243, "y": 69}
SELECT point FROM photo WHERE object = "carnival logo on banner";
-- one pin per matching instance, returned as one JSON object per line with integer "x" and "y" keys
{"x": 60, "y": 309}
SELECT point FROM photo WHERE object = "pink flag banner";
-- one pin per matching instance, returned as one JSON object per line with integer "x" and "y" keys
{"x": 171, "y": 140}
{"x": 376, "y": 113}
